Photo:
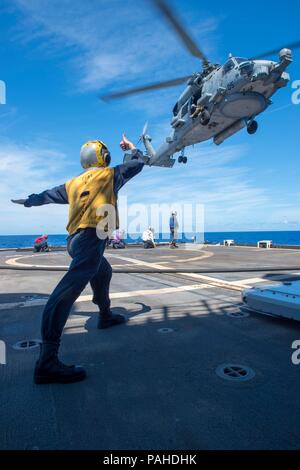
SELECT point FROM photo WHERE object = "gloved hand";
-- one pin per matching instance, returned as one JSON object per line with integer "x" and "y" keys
{"x": 19, "y": 201}
{"x": 126, "y": 144}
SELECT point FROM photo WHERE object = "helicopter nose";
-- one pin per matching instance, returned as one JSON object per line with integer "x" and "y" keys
{"x": 285, "y": 53}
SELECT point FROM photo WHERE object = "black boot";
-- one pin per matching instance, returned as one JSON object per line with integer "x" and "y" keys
{"x": 108, "y": 319}
{"x": 49, "y": 369}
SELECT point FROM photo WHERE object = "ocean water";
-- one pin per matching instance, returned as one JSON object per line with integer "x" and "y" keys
{"x": 277, "y": 237}
{"x": 280, "y": 238}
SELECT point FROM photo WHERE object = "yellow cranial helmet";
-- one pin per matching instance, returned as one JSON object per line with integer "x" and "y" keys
{"x": 94, "y": 153}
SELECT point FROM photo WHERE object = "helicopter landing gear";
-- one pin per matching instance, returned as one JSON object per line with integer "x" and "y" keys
{"x": 252, "y": 127}
{"x": 182, "y": 159}
{"x": 204, "y": 117}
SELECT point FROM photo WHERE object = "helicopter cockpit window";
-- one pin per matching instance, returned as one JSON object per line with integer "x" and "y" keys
{"x": 240, "y": 60}
{"x": 185, "y": 109}
{"x": 228, "y": 66}
{"x": 175, "y": 110}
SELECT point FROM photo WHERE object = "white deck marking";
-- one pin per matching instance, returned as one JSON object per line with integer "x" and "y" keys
{"x": 15, "y": 262}
{"x": 136, "y": 293}
{"x": 76, "y": 324}
{"x": 139, "y": 262}
{"x": 233, "y": 285}
{"x": 75, "y": 330}
{"x": 206, "y": 254}
{"x": 210, "y": 280}
{"x": 157, "y": 266}
{"x": 253, "y": 280}
{"x": 113, "y": 295}
{"x": 162, "y": 262}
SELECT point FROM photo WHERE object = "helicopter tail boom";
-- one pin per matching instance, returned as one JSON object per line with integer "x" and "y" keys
{"x": 149, "y": 148}
{"x": 155, "y": 158}
{"x": 160, "y": 158}
{"x": 150, "y": 152}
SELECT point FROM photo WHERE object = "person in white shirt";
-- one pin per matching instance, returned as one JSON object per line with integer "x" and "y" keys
{"x": 148, "y": 238}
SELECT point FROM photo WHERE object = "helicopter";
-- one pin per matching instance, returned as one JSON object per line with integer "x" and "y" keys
{"x": 218, "y": 101}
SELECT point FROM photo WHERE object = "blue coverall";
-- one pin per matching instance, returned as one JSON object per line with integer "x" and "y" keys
{"x": 88, "y": 263}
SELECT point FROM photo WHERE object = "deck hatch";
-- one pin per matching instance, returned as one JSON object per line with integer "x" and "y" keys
{"x": 238, "y": 314}
{"x": 27, "y": 344}
{"x": 165, "y": 330}
{"x": 235, "y": 372}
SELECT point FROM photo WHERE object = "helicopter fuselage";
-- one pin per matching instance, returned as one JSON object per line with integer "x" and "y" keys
{"x": 231, "y": 95}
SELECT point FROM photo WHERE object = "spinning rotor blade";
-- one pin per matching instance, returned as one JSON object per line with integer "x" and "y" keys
{"x": 145, "y": 128}
{"x": 293, "y": 45}
{"x": 153, "y": 86}
{"x": 180, "y": 30}
{"x": 144, "y": 132}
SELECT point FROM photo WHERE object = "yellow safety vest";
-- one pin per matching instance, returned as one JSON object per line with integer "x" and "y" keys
{"x": 88, "y": 192}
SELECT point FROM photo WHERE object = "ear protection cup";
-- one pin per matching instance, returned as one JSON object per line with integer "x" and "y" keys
{"x": 107, "y": 158}
{"x": 105, "y": 154}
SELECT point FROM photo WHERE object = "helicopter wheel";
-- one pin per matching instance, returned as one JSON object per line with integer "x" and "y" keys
{"x": 180, "y": 159}
{"x": 204, "y": 117}
{"x": 252, "y": 127}
{"x": 184, "y": 160}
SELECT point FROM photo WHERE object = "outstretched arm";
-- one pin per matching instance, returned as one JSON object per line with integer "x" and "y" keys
{"x": 126, "y": 171}
{"x": 57, "y": 195}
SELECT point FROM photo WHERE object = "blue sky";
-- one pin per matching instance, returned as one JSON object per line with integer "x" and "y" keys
{"x": 58, "y": 55}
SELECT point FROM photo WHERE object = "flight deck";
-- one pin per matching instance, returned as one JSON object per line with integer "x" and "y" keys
{"x": 189, "y": 370}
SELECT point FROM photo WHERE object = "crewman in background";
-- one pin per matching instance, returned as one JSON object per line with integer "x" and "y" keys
{"x": 148, "y": 238}
{"x": 41, "y": 244}
{"x": 173, "y": 229}
{"x": 96, "y": 187}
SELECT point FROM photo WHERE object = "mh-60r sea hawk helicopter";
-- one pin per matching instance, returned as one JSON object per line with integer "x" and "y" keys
{"x": 219, "y": 101}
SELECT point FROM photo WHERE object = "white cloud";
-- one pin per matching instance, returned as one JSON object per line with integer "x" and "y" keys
{"x": 231, "y": 197}
{"x": 112, "y": 42}
{"x": 24, "y": 170}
